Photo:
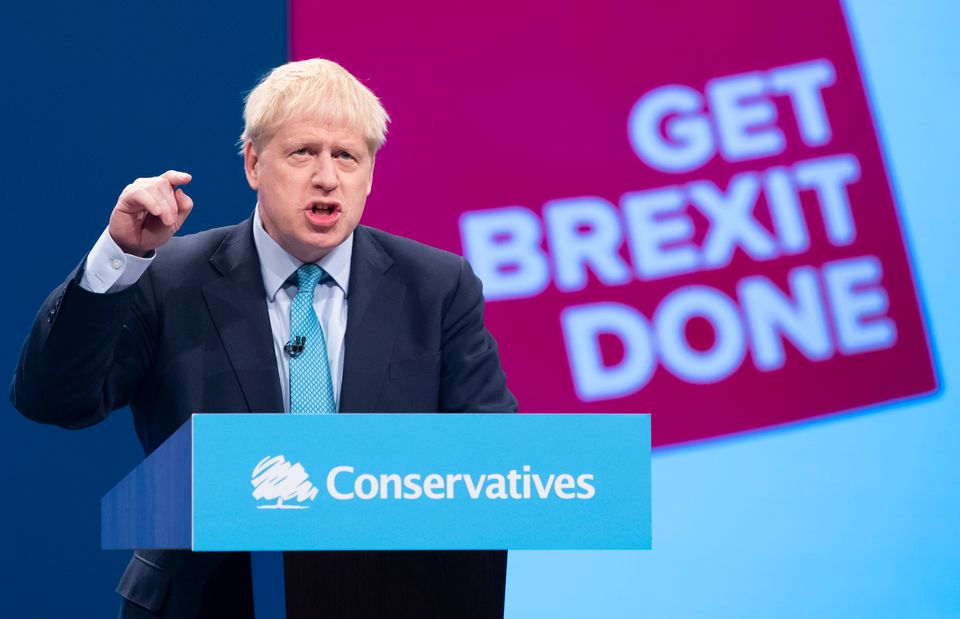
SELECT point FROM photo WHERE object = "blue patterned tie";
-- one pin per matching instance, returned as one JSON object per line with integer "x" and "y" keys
{"x": 311, "y": 386}
{"x": 311, "y": 393}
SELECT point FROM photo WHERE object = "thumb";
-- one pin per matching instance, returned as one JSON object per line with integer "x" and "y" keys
{"x": 184, "y": 206}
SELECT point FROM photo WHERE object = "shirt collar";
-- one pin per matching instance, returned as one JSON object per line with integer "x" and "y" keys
{"x": 276, "y": 265}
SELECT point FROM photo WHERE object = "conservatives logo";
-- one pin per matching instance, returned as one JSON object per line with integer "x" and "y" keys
{"x": 276, "y": 479}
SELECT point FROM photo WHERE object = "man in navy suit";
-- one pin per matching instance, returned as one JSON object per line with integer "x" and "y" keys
{"x": 176, "y": 325}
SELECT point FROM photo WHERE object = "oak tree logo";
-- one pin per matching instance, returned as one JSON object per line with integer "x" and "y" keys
{"x": 276, "y": 479}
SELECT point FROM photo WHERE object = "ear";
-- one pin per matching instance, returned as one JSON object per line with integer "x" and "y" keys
{"x": 373, "y": 162}
{"x": 250, "y": 159}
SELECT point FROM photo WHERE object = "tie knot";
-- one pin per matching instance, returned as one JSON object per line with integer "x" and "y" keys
{"x": 308, "y": 275}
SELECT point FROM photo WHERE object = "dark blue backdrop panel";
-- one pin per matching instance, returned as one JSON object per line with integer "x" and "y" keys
{"x": 95, "y": 95}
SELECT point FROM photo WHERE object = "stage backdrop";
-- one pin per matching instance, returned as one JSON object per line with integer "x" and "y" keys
{"x": 95, "y": 95}
{"x": 675, "y": 207}
{"x": 735, "y": 217}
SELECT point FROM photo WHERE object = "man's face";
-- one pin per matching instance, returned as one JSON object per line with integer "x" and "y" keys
{"x": 312, "y": 180}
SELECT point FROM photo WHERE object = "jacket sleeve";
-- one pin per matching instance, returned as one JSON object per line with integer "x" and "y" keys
{"x": 86, "y": 354}
{"x": 472, "y": 379}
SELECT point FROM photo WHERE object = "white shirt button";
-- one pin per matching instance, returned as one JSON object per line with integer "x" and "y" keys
{"x": 116, "y": 263}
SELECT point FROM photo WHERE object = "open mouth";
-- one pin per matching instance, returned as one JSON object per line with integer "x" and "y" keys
{"x": 319, "y": 208}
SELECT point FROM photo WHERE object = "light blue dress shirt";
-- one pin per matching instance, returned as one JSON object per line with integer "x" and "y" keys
{"x": 108, "y": 269}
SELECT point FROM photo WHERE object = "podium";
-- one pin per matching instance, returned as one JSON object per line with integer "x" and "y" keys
{"x": 269, "y": 483}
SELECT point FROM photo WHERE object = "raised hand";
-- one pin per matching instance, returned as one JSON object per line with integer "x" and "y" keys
{"x": 149, "y": 212}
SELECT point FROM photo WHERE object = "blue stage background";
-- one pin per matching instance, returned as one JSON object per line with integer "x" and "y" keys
{"x": 97, "y": 94}
{"x": 858, "y": 516}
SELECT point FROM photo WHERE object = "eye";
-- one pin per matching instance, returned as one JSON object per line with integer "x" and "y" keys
{"x": 303, "y": 150}
{"x": 345, "y": 155}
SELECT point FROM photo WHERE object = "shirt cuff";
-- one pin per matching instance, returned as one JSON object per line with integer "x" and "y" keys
{"x": 108, "y": 269}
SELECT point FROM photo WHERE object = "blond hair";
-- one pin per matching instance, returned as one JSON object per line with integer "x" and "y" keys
{"x": 316, "y": 86}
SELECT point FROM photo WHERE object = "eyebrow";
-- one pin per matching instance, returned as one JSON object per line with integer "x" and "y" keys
{"x": 353, "y": 147}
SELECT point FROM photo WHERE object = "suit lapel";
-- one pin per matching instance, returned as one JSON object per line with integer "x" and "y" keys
{"x": 373, "y": 310}
{"x": 237, "y": 304}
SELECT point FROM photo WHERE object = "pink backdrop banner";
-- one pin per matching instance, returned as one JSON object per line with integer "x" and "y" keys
{"x": 676, "y": 208}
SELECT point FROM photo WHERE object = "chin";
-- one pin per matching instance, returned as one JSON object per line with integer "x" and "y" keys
{"x": 317, "y": 250}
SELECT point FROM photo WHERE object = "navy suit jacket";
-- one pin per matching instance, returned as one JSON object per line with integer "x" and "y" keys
{"x": 193, "y": 335}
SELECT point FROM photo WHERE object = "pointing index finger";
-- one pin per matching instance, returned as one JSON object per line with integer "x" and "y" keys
{"x": 176, "y": 178}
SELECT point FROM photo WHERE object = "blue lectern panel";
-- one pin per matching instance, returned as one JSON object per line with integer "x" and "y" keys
{"x": 150, "y": 508}
{"x": 285, "y": 482}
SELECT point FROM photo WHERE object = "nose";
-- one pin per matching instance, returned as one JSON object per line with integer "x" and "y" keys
{"x": 325, "y": 173}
